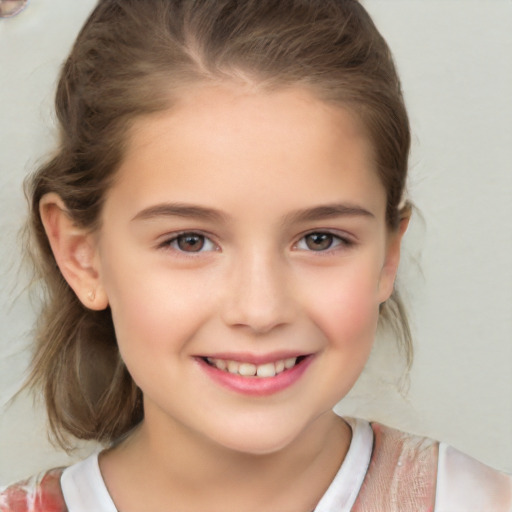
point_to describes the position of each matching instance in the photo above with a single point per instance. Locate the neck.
(170, 463)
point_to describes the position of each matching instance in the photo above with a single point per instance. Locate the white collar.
(84, 489)
(344, 489)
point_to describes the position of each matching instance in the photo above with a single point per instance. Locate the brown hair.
(133, 58)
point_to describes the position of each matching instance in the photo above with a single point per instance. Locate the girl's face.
(245, 234)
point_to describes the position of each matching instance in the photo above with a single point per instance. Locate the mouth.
(246, 369)
(255, 376)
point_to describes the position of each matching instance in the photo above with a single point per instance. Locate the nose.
(259, 295)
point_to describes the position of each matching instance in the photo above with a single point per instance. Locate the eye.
(321, 241)
(191, 243)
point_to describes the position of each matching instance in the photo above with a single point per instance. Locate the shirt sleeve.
(466, 485)
(41, 493)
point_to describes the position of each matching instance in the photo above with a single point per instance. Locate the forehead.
(242, 142)
(245, 110)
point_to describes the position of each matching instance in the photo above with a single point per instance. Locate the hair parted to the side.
(137, 57)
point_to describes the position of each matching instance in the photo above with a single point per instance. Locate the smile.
(255, 378)
(245, 369)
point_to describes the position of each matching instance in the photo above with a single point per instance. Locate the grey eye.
(10, 8)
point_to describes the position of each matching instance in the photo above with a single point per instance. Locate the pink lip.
(256, 386)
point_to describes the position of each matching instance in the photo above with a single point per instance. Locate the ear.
(75, 252)
(390, 267)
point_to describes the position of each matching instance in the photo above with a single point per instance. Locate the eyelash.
(172, 243)
(336, 242)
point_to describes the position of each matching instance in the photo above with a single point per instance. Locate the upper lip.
(257, 359)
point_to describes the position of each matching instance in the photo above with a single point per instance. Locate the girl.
(220, 233)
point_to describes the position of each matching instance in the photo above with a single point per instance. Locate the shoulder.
(409, 472)
(464, 480)
(41, 493)
(401, 474)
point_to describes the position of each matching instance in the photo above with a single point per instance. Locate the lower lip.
(257, 386)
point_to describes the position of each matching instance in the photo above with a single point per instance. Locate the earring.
(91, 295)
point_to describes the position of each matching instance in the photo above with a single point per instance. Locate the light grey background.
(455, 61)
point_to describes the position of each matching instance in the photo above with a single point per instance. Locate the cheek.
(154, 310)
(346, 309)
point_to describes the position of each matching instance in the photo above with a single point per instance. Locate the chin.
(257, 445)
(261, 439)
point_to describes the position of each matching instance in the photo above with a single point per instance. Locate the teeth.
(232, 367)
(251, 370)
(266, 370)
(220, 364)
(290, 362)
(247, 369)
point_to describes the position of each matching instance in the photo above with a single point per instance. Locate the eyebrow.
(180, 210)
(329, 211)
(213, 215)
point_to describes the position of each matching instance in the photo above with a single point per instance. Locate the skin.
(264, 162)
